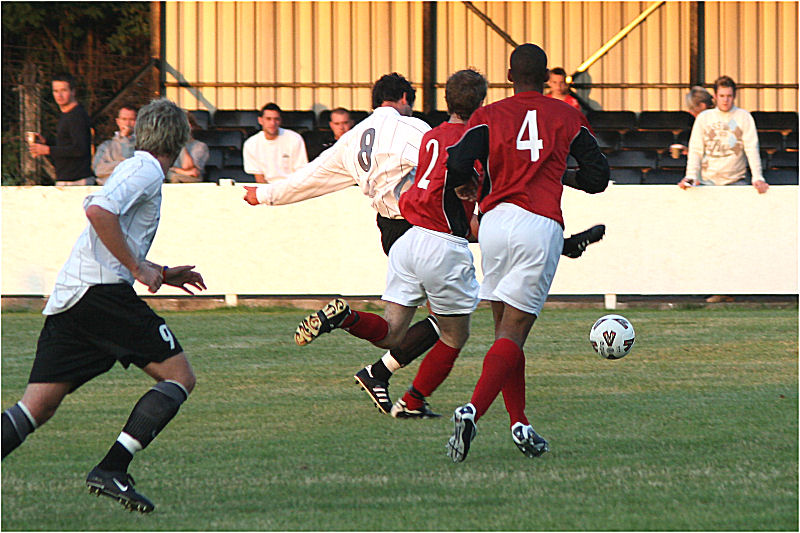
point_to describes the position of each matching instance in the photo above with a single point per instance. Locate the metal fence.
(103, 82)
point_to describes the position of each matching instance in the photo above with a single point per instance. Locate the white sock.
(390, 362)
(130, 444)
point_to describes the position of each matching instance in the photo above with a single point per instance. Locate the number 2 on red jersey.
(533, 143)
(424, 181)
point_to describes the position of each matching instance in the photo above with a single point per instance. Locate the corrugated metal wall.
(354, 43)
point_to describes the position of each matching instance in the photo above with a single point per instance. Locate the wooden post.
(30, 114)
(697, 43)
(428, 56)
(157, 21)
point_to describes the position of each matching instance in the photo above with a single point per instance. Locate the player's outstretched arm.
(106, 225)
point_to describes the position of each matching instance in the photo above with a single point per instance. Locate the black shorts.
(109, 323)
(391, 230)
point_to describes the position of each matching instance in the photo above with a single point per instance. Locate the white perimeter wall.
(659, 240)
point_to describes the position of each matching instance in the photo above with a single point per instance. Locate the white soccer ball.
(612, 336)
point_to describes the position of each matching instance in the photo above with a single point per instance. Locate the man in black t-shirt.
(71, 151)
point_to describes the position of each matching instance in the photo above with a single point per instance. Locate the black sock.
(379, 371)
(16, 426)
(418, 339)
(117, 459)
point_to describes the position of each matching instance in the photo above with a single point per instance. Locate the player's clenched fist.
(250, 195)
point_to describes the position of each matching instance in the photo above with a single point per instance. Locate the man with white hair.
(94, 317)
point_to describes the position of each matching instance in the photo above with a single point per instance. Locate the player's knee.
(392, 339)
(455, 339)
(188, 381)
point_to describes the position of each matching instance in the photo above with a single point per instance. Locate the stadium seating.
(608, 140)
(221, 139)
(214, 158)
(775, 120)
(620, 121)
(358, 116)
(434, 118)
(647, 140)
(202, 117)
(790, 141)
(246, 121)
(662, 176)
(637, 146)
(783, 159)
(771, 141)
(665, 120)
(626, 176)
(215, 174)
(298, 121)
(641, 159)
(781, 176)
(232, 159)
(666, 161)
(314, 140)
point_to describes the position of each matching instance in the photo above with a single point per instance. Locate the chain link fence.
(103, 83)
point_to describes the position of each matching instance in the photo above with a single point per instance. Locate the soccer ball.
(612, 337)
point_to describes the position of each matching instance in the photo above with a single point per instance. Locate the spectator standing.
(190, 165)
(522, 142)
(117, 149)
(274, 152)
(723, 142)
(559, 89)
(94, 318)
(71, 152)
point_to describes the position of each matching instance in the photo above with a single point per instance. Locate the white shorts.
(520, 252)
(425, 264)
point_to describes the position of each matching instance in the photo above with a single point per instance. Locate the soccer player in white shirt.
(274, 152)
(94, 317)
(380, 156)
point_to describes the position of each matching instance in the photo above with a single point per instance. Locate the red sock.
(501, 360)
(367, 326)
(514, 393)
(433, 370)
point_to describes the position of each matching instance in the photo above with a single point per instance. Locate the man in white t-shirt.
(723, 142)
(274, 152)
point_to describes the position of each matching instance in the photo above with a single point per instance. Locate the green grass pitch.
(697, 429)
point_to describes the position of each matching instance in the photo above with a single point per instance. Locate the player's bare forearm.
(106, 225)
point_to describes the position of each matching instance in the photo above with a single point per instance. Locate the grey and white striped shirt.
(133, 193)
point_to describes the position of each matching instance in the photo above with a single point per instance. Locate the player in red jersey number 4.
(523, 142)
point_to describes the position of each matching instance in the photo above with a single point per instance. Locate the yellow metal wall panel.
(205, 32)
(267, 42)
(171, 44)
(785, 61)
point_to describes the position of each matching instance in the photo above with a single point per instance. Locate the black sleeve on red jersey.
(593, 173)
(462, 155)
